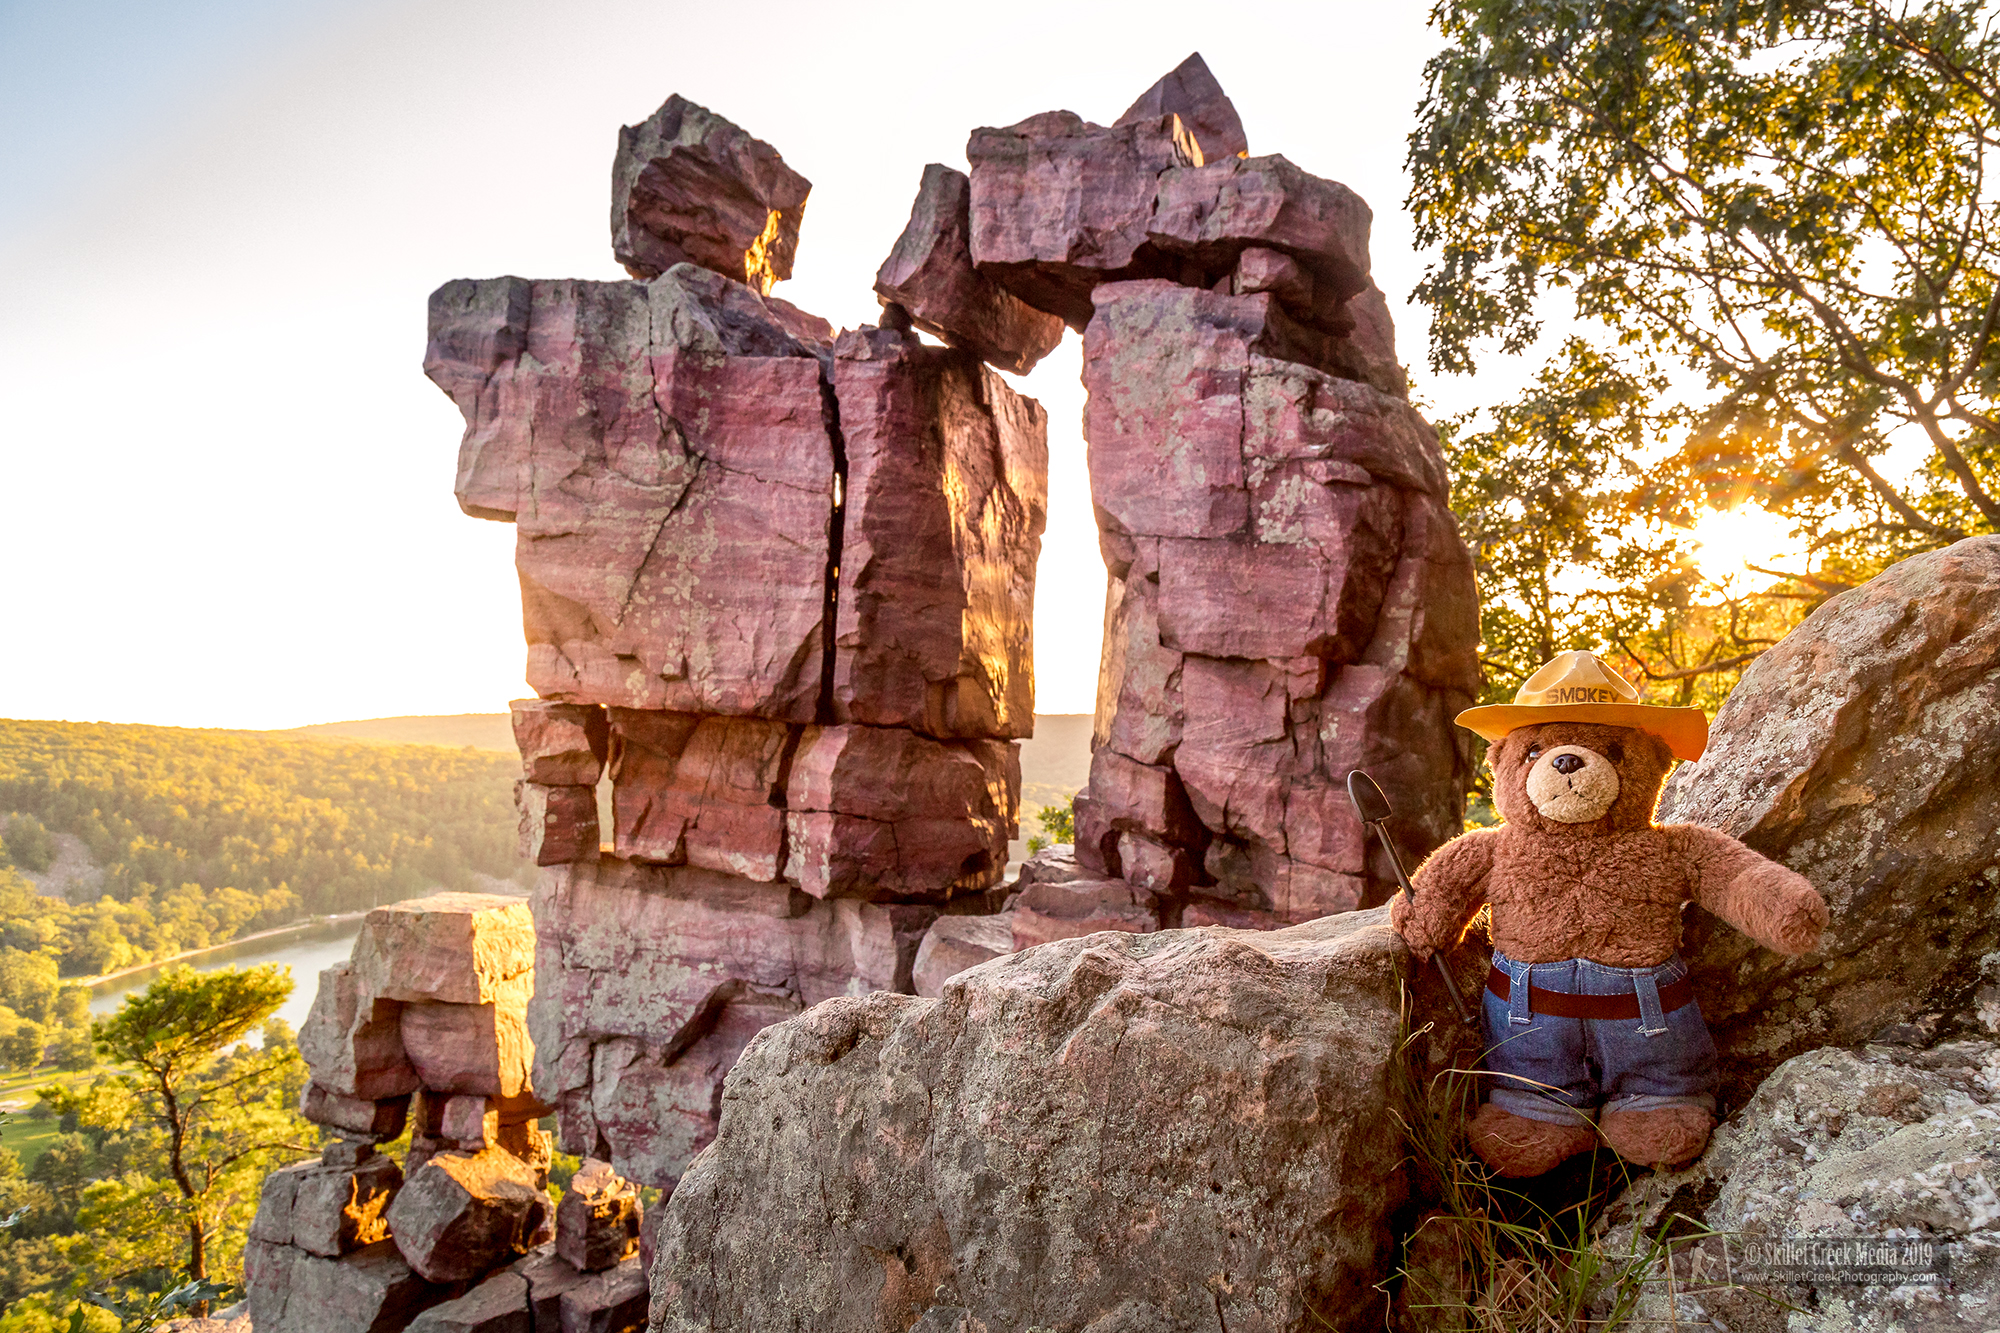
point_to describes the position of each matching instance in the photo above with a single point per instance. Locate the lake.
(306, 953)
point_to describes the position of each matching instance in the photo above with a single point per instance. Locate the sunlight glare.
(1729, 541)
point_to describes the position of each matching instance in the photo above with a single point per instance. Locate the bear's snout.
(1573, 784)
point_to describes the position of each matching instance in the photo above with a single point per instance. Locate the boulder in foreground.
(1121, 1132)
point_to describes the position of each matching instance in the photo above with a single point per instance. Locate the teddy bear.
(1588, 1015)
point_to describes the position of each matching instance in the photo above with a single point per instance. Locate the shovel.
(1373, 807)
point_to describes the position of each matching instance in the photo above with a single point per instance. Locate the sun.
(1729, 541)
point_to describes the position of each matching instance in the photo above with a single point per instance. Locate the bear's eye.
(1534, 753)
(1615, 752)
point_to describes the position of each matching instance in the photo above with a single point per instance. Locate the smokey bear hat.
(1580, 687)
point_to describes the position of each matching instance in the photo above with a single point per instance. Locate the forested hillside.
(202, 836)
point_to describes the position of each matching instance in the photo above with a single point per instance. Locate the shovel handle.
(1437, 959)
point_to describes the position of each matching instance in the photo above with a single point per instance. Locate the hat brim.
(1685, 730)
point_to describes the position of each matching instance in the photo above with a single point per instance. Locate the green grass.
(30, 1138)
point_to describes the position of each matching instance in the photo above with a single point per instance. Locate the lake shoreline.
(275, 933)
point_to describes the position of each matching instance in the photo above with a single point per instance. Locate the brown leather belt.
(1566, 1004)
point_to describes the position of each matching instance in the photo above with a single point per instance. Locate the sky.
(225, 484)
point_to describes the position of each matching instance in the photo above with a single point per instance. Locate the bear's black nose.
(1567, 763)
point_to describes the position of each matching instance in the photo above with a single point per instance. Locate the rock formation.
(1183, 1130)
(777, 586)
(1861, 751)
(425, 1026)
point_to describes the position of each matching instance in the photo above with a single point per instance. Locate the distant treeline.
(202, 836)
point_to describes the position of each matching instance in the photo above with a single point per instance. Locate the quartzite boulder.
(701, 791)
(1896, 1144)
(460, 1215)
(597, 1222)
(613, 1301)
(353, 1041)
(663, 451)
(653, 979)
(1075, 908)
(1289, 601)
(561, 745)
(497, 1305)
(1212, 215)
(938, 829)
(689, 187)
(369, 1291)
(454, 948)
(325, 1208)
(1191, 92)
(482, 1050)
(1060, 205)
(930, 274)
(946, 498)
(956, 944)
(558, 824)
(375, 1121)
(1861, 752)
(1190, 1129)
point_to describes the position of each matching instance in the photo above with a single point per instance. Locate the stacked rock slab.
(777, 586)
(424, 1027)
(1289, 598)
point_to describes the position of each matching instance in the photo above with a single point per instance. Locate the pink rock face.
(460, 1215)
(689, 187)
(1211, 214)
(1060, 205)
(956, 944)
(482, 1050)
(946, 499)
(663, 451)
(941, 828)
(458, 948)
(1290, 600)
(930, 274)
(1273, 271)
(562, 745)
(353, 1042)
(558, 824)
(1191, 92)
(375, 1121)
(704, 792)
(1071, 910)
(654, 978)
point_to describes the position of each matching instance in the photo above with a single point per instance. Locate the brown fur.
(1609, 890)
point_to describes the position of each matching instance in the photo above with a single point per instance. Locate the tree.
(216, 1116)
(1780, 206)
(28, 844)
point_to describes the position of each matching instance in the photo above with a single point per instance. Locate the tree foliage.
(214, 1118)
(201, 837)
(1772, 223)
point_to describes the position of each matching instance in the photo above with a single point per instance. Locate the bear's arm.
(1776, 907)
(1450, 886)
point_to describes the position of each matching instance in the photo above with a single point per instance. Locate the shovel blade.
(1369, 802)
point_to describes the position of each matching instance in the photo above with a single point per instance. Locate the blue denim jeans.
(1564, 1070)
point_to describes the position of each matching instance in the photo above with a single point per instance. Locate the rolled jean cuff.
(1534, 1106)
(1639, 1101)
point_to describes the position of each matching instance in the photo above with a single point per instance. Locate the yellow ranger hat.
(1579, 687)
